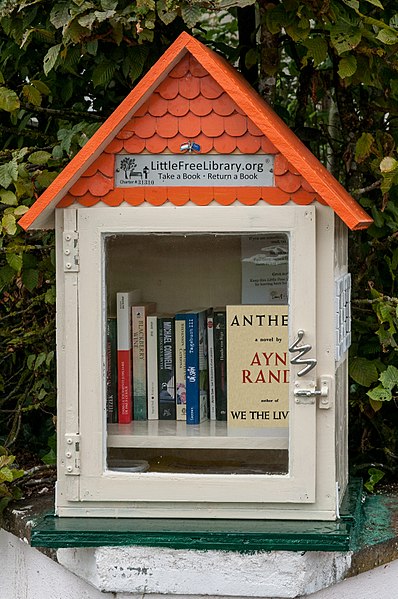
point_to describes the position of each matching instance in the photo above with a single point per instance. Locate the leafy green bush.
(328, 68)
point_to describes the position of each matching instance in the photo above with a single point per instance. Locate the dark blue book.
(197, 403)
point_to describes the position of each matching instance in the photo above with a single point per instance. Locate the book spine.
(152, 367)
(166, 369)
(210, 352)
(180, 358)
(124, 358)
(220, 364)
(139, 362)
(203, 367)
(111, 370)
(196, 371)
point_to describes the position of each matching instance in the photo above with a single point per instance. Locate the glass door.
(190, 385)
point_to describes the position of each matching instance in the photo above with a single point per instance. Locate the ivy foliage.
(330, 70)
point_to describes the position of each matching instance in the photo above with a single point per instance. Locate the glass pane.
(197, 372)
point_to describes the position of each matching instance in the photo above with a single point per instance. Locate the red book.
(124, 301)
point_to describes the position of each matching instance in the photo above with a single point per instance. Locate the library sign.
(134, 170)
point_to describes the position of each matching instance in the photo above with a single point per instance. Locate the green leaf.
(41, 358)
(376, 3)
(46, 178)
(7, 274)
(8, 173)
(20, 210)
(30, 278)
(50, 458)
(108, 4)
(376, 405)
(375, 476)
(387, 36)
(51, 58)
(8, 197)
(32, 95)
(9, 100)
(8, 223)
(344, 37)
(49, 298)
(103, 73)
(190, 14)
(389, 377)
(30, 361)
(39, 158)
(6, 475)
(379, 393)
(92, 47)
(165, 15)
(317, 49)
(388, 164)
(347, 66)
(15, 260)
(363, 371)
(363, 147)
(59, 15)
(41, 86)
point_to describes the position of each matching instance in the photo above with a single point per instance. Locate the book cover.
(111, 370)
(166, 368)
(265, 266)
(124, 301)
(196, 366)
(220, 362)
(258, 366)
(180, 358)
(138, 332)
(152, 366)
(211, 365)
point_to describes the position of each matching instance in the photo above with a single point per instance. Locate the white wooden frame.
(248, 491)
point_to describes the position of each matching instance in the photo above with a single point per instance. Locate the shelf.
(209, 434)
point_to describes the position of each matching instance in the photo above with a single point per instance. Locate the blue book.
(197, 404)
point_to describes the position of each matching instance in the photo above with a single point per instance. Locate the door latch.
(305, 392)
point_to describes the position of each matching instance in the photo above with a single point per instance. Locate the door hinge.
(72, 454)
(70, 251)
(305, 392)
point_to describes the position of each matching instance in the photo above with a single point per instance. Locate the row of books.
(165, 366)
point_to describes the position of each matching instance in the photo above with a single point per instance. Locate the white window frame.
(100, 485)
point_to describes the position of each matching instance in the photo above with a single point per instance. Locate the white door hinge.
(72, 454)
(70, 251)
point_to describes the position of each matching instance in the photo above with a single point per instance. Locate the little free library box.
(203, 307)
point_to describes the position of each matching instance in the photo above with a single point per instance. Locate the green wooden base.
(225, 535)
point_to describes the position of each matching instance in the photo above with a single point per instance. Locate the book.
(166, 368)
(220, 362)
(124, 301)
(265, 267)
(111, 370)
(258, 366)
(180, 360)
(211, 365)
(196, 365)
(152, 366)
(138, 331)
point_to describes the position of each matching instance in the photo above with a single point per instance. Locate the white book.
(124, 302)
(210, 357)
(152, 366)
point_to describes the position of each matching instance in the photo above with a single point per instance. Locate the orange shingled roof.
(192, 93)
